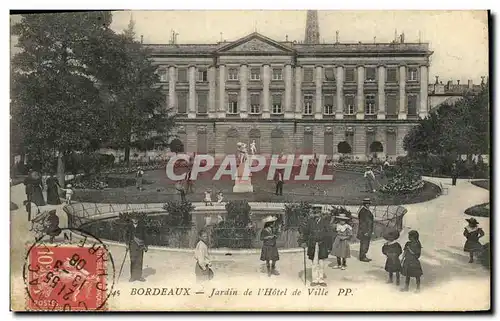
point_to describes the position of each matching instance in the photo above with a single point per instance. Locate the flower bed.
(481, 210)
(102, 182)
(403, 181)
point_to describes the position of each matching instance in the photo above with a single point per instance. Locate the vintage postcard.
(250, 161)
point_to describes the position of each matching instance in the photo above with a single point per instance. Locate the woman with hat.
(392, 250)
(473, 233)
(269, 251)
(340, 247)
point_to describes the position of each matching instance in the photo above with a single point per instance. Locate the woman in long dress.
(53, 191)
(36, 189)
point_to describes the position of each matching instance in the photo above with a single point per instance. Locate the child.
(340, 247)
(69, 193)
(138, 178)
(208, 198)
(369, 180)
(220, 197)
(473, 233)
(410, 267)
(392, 249)
(269, 251)
(203, 265)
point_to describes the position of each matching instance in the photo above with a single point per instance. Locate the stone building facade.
(356, 99)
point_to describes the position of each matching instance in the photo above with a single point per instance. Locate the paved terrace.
(449, 282)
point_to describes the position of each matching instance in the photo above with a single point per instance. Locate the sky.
(459, 39)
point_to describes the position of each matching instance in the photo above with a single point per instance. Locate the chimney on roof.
(142, 39)
(458, 82)
(448, 85)
(337, 36)
(286, 38)
(470, 84)
(437, 80)
(482, 80)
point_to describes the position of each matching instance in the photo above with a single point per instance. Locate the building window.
(182, 101)
(370, 75)
(350, 74)
(254, 103)
(277, 74)
(328, 104)
(308, 104)
(276, 108)
(370, 104)
(392, 104)
(412, 74)
(162, 73)
(202, 75)
(330, 74)
(392, 74)
(232, 74)
(308, 74)
(182, 75)
(232, 102)
(202, 102)
(412, 105)
(255, 74)
(349, 104)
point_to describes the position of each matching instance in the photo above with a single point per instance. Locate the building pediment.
(254, 43)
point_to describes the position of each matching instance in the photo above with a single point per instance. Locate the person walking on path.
(269, 252)
(278, 179)
(136, 243)
(392, 250)
(341, 248)
(454, 174)
(473, 233)
(53, 190)
(315, 236)
(179, 186)
(36, 189)
(202, 269)
(369, 180)
(138, 178)
(365, 229)
(410, 266)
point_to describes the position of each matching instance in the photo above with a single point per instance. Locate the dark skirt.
(203, 275)
(393, 264)
(411, 267)
(136, 260)
(37, 196)
(472, 246)
(269, 253)
(53, 195)
(323, 250)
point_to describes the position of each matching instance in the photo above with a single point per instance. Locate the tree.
(137, 107)
(55, 86)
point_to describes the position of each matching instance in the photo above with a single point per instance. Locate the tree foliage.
(455, 129)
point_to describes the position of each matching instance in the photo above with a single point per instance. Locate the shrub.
(481, 210)
(404, 179)
(296, 214)
(237, 231)
(178, 214)
(484, 257)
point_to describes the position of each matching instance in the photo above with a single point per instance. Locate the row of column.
(287, 99)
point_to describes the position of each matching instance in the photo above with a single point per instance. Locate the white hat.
(69, 185)
(342, 216)
(269, 218)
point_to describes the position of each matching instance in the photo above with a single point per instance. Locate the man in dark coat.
(365, 230)
(278, 179)
(454, 174)
(136, 243)
(316, 235)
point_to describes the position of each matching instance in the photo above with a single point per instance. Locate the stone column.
(243, 91)
(360, 98)
(288, 92)
(318, 105)
(222, 91)
(381, 92)
(298, 91)
(402, 92)
(211, 92)
(266, 81)
(171, 88)
(424, 79)
(340, 93)
(192, 92)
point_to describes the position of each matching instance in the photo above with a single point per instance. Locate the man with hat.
(315, 235)
(365, 229)
(136, 244)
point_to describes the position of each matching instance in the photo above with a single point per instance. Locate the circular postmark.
(69, 276)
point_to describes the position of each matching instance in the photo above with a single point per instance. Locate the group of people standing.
(34, 186)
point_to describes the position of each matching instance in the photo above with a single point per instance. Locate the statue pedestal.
(243, 184)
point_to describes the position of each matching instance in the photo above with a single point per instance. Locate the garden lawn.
(483, 184)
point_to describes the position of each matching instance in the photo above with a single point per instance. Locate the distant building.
(440, 93)
(310, 97)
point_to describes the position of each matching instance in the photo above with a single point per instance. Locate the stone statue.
(253, 148)
(243, 181)
(242, 152)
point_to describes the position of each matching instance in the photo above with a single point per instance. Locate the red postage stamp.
(66, 278)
